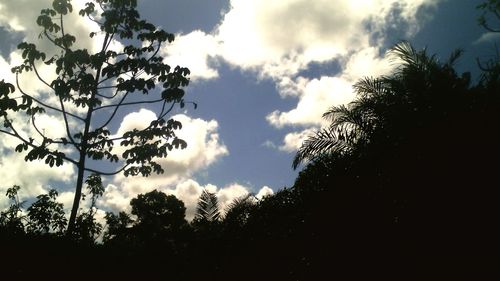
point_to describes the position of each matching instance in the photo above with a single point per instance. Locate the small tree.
(46, 215)
(157, 209)
(97, 84)
(11, 220)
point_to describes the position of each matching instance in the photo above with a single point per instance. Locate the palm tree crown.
(417, 92)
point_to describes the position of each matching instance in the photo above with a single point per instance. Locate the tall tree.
(91, 88)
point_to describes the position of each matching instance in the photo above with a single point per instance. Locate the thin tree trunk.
(78, 194)
(83, 148)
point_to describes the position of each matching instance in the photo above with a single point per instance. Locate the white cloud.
(20, 16)
(263, 192)
(316, 96)
(204, 148)
(193, 50)
(282, 37)
(188, 191)
(292, 141)
(279, 39)
(117, 198)
(66, 198)
(227, 194)
(487, 37)
(35, 177)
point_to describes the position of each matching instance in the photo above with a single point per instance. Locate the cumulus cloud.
(20, 16)
(279, 39)
(188, 191)
(263, 192)
(35, 177)
(204, 148)
(282, 37)
(316, 96)
(292, 141)
(195, 50)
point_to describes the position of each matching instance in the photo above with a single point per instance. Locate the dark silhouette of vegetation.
(99, 83)
(208, 207)
(490, 11)
(400, 185)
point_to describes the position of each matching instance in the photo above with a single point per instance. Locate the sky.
(262, 74)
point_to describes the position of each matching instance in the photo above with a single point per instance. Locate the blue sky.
(263, 71)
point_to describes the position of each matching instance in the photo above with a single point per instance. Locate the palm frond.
(405, 52)
(208, 207)
(238, 210)
(368, 87)
(326, 141)
(454, 56)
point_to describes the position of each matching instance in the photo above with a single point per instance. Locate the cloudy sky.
(263, 72)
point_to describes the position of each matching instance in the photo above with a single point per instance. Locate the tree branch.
(107, 173)
(40, 77)
(44, 104)
(164, 113)
(36, 127)
(66, 124)
(117, 106)
(128, 103)
(16, 135)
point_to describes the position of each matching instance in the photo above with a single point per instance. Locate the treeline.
(403, 183)
(154, 239)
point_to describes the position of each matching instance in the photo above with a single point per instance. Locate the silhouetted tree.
(158, 214)
(207, 208)
(11, 220)
(238, 212)
(405, 173)
(387, 106)
(118, 227)
(46, 215)
(98, 83)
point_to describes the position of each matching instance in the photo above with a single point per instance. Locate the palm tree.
(238, 212)
(387, 105)
(208, 207)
